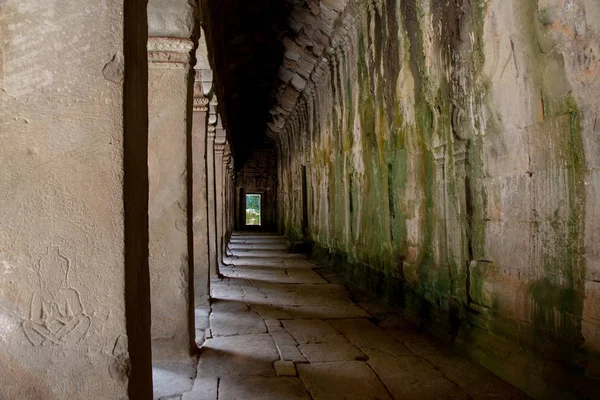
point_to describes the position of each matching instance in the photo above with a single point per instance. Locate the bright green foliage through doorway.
(253, 209)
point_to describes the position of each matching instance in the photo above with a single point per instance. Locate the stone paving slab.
(291, 311)
(304, 276)
(236, 323)
(370, 338)
(291, 263)
(227, 292)
(329, 312)
(331, 352)
(277, 308)
(271, 312)
(266, 254)
(228, 305)
(353, 380)
(258, 246)
(291, 353)
(479, 383)
(307, 295)
(272, 323)
(242, 355)
(204, 389)
(238, 282)
(264, 240)
(254, 261)
(260, 273)
(313, 331)
(259, 388)
(412, 377)
(172, 378)
(282, 337)
(285, 368)
(270, 274)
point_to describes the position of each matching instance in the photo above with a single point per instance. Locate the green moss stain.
(559, 239)
(379, 217)
(559, 296)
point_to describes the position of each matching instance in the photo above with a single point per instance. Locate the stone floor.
(282, 327)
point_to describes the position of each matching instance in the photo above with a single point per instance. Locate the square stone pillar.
(74, 291)
(212, 200)
(219, 191)
(232, 203)
(203, 179)
(200, 200)
(168, 136)
(227, 160)
(231, 196)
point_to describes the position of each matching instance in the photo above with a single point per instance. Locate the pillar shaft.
(212, 206)
(231, 200)
(74, 292)
(200, 202)
(226, 195)
(219, 149)
(168, 133)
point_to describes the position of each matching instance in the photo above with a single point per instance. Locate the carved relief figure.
(57, 315)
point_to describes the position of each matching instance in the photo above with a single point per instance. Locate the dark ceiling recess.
(245, 43)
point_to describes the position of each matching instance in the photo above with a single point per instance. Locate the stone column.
(170, 274)
(231, 197)
(74, 292)
(202, 155)
(225, 210)
(200, 197)
(440, 234)
(212, 205)
(219, 182)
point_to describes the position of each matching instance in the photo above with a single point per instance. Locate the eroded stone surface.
(335, 356)
(342, 380)
(242, 355)
(172, 378)
(205, 388)
(168, 196)
(331, 352)
(68, 109)
(312, 331)
(369, 338)
(451, 149)
(236, 323)
(262, 389)
(409, 377)
(290, 352)
(285, 368)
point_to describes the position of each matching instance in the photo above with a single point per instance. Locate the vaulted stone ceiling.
(264, 53)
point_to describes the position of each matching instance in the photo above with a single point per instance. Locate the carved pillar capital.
(219, 148)
(220, 133)
(201, 104)
(203, 82)
(211, 132)
(460, 149)
(168, 52)
(439, 155)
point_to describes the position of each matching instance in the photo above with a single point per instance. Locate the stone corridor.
(430, 170)
(283, 327)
